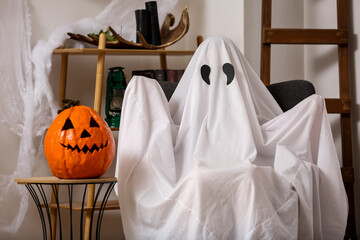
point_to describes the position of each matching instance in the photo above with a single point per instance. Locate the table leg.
(55, 189)
(82, 214)
(93, 206)
(46, 206)
(53, 216)
(38, 205)
(102, 207)
(70, 194)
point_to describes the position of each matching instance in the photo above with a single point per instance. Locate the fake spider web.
(27, 104)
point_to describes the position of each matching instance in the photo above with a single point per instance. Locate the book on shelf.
(145, 73)
(170, 75)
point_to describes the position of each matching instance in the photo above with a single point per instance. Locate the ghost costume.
(220, 160)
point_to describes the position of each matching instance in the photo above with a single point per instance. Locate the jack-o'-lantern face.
(79, 144)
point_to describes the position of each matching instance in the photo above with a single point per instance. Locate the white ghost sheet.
(221, 160)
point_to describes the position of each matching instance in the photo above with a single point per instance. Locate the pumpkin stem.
(68, 103)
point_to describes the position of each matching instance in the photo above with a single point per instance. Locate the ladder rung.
(338, 105)
(305, 36)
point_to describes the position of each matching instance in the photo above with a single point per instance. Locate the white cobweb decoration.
(27, 105)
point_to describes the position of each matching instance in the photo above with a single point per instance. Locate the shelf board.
(94, 51)
(76, 206)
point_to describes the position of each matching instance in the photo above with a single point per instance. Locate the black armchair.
(287, 94)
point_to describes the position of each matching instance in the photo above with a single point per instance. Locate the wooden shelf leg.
(89, 203)
(163, 64)
(97, 107)
(99, 73)
(62, 92)
(199, 40)
(63, 74)
(53, 215)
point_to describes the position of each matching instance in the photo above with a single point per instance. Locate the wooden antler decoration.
(168, 37)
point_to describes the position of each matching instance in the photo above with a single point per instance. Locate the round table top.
(55, 180)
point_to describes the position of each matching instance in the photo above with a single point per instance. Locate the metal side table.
(35, 186)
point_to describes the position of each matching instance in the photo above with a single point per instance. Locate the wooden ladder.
(341, 105)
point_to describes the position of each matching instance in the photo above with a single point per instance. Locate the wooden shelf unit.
(65, 52)
(101, 52)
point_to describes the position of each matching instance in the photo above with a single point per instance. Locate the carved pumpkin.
(79, 144)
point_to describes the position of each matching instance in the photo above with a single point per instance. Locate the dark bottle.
(141, 16)
(154, 29)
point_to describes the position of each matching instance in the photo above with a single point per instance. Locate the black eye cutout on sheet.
(228, 69)
(205, 72)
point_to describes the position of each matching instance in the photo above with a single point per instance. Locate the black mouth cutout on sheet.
(227, 68)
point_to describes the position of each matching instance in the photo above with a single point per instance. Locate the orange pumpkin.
(79, 144)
